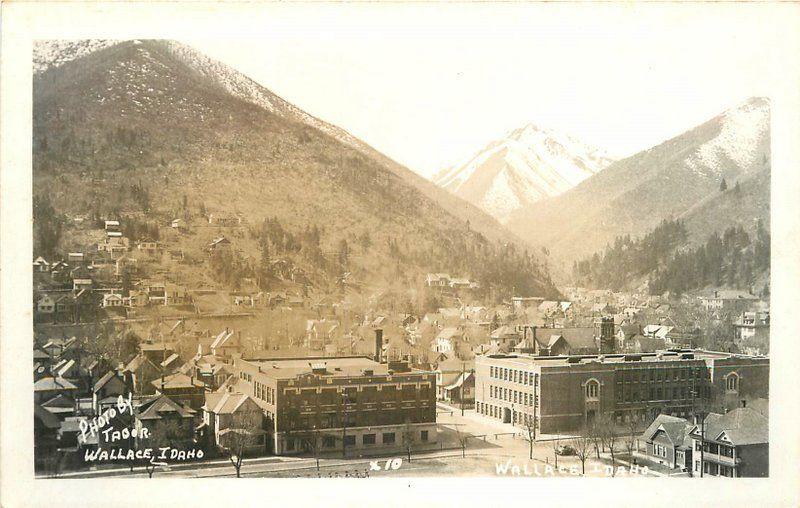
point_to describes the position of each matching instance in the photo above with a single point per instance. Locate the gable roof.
(221, 339)
(47, 418)
(108, 376)
(673, 427)
(178, 380)
(578, 338)
(741, 426)
(50, 383)
(160, 406)
(224, 402)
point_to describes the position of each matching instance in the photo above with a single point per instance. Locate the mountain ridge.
(632, 195)
(528, 164)
(134, 119)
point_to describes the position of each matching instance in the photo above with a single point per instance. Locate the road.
(494, 449)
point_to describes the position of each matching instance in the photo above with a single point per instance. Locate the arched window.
(592, 389)
(732, 382)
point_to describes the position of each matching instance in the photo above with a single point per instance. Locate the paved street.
(493, 449)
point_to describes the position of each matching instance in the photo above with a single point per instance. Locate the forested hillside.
(736, 259)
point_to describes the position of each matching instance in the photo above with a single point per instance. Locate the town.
(301, 380)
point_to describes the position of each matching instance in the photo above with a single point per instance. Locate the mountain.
(678, 179)
(527, 165)
(155, 129)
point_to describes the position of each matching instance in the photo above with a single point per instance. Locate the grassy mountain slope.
(142, 119)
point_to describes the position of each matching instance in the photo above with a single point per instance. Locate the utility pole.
(344, 425)
(463, 382)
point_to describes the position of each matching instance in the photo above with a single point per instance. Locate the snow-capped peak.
(742, 131)
(528, 164)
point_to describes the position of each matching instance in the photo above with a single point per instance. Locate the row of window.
(500, 412)
(264, 392)
(513, 375)
(657, 374)
(659, 450)
(654, 393)
(508, 395)
(387, 438)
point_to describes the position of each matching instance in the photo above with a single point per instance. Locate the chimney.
(378, 344)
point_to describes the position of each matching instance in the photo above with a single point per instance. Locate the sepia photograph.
(499, 241)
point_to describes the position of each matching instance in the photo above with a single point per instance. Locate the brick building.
(563, 393)
(320, 403)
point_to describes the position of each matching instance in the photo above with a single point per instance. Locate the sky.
(431, 85)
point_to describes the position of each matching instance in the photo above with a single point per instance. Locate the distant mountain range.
(115, 121)
(527, 165)
(678, 179)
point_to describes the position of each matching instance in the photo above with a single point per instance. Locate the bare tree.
(607, 429)
(582, 444)
(556, 446)
(243, 432)
(631, 436)
(530, 427)
(462, 438)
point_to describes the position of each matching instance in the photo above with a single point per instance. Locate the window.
(290, 445)
(592, 389)
(388, 438)
(423, 435)
(328, 442)
(349, 440)
(732, 382)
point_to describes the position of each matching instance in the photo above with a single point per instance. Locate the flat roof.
(343, 366)
(621, 358)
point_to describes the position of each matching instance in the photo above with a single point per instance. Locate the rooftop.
(346, 366)
(658, 356)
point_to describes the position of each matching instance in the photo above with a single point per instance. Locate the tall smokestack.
(378, 344)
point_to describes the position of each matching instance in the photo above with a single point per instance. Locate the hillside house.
(439, 280)
(46, 304)
(226, 344)
(224, 219)
(112, 226)
(219, 244)
(149, 248)
(40, 265)
(320, 332)
(729, 300)
(446, 342)
(112, 300)
(520, 303)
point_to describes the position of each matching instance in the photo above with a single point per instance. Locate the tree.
(556, 446)
(530, 427)
(723, 186)
(631, 436)
(462, 438)
(607, 429)
(166, 433)
(582, 444)
(245, 431)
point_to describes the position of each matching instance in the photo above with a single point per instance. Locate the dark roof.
(47, 418)
(156, 408)
(105, 379)
(673, 427)
(577, 338)
(742, 426)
